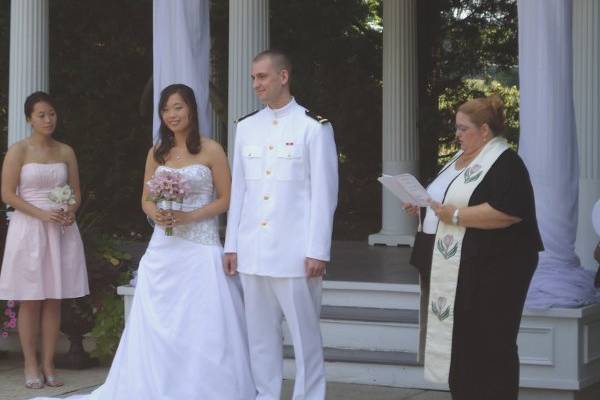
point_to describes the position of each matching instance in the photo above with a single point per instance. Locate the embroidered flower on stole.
(440, 309)
(473, 173)
(444, 246)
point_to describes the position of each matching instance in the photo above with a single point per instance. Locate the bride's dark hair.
(166, 141)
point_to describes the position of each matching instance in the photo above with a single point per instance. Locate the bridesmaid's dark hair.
(166, 141)
(33, 99)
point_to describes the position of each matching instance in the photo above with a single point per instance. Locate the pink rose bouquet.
(168, 189)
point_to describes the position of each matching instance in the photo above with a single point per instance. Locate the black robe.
(496, 268)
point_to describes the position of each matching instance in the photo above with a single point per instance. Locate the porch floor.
(84, 381)
(355, 261)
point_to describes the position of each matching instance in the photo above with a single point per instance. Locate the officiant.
(476, 251)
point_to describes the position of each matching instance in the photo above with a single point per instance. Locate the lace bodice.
(200, 179)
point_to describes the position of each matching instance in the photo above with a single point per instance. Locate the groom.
(284, 194)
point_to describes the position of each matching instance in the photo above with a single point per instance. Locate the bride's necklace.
(176, 155)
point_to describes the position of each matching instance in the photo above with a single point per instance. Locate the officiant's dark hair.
(166, 141)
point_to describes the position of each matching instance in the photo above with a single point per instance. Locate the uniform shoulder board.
(246, 116)
(316, 117)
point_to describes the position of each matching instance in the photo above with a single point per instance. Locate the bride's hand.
(179, 218)
(161, 217)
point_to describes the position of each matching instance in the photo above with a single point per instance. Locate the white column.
(586, 91)
(28, 68)
(400, 146)
(248, 36)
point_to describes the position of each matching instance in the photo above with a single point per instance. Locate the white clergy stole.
(446, 262)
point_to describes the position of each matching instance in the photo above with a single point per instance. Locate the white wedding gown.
(185, 338)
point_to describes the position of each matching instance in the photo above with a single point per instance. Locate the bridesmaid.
(43, 258)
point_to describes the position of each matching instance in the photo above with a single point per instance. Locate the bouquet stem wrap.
(169, 205)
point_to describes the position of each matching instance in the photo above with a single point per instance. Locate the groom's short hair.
(279, 58)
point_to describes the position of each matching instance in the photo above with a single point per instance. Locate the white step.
(370, 330)
(387, 368)
(367, 329)
(370, 295)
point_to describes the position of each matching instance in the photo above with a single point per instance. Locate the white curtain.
(548, 145)
(182, 53)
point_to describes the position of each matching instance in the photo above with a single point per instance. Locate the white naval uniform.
(284, 194)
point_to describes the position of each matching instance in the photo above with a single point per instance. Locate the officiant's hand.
(411, 209)
(230, 263)
(314, 267)
(443, 212)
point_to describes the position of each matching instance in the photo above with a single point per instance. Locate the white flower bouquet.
(62, 196)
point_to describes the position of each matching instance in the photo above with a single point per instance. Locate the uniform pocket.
(252, 156)
(290, 162)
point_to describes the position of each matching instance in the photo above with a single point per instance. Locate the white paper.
(407, 188)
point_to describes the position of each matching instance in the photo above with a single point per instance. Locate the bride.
(185, 337)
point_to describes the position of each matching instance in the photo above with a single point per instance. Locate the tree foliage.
(4, 65)
(460, 40)
(336, 50)
(337, 53)
(101, 59)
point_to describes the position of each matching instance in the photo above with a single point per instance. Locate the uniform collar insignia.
(316, 117)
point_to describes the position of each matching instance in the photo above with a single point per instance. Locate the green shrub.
(108, 327)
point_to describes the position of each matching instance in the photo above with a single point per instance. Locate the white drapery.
(182, 53)
(548, 145)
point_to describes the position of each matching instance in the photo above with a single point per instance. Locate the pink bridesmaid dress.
(42, 260)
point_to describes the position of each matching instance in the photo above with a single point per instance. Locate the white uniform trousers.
(267, 300)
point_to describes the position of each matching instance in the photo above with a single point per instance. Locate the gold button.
(271, 147)
(275, 122)
(268, 172)
(266, 197)
(264, 223)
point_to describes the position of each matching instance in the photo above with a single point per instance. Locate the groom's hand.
(314, 267)
(230, 263)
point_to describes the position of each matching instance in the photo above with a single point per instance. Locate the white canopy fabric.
(182, 53)
(548, 145)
